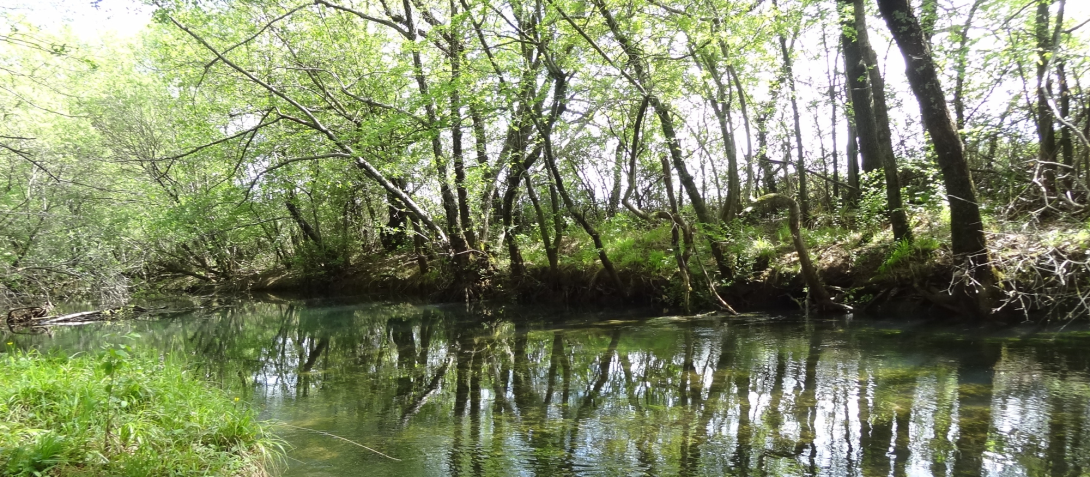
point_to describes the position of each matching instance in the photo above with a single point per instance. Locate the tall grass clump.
(123, 412)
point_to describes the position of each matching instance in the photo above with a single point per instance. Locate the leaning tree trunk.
(551, 250)
(643, 82)
(681, 237)
(820, 295)
(966, 227)
(578, 215)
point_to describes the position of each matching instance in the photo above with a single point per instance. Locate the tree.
(966, 224)
(871, 114)
(800, 165)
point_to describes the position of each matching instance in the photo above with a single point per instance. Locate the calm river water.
(499, 391)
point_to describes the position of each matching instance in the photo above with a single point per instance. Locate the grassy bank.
(122, 412)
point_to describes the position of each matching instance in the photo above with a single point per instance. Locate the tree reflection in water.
(509, 392)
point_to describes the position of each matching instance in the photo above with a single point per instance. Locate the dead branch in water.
(350, 441)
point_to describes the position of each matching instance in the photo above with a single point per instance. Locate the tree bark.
(457, 155)
(872, 116)
(615, 191)
(1046, 132)
(551, 251)
(309, 232)
(851, 195)
(789, 75)
(769, 179)
(960, 65)
(966, 225)
(720, 102)
(821, 296)
(395, 233)
(1066, 146)
(545, 128)
(681, 237)
(745, 122)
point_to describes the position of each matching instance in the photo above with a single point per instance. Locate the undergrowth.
(123, 412)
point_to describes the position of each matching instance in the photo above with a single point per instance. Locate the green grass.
(123, 412)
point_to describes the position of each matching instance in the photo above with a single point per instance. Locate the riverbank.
(123, 412)
(1046, 272)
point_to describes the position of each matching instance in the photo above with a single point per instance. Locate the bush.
(908, 256)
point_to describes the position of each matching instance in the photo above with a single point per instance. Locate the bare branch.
(365, 16)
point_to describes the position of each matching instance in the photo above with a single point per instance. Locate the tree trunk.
(1046, 132)
(465, 275)
(966, 226)
(395, 233)
(871, 114)
(1067, 148)
(960, 64)
(745, 123)
(687, 182)
(456, 146)
(681, 237)
(309, 232)
(720, 102)
(817, 289)
(517, 168)
(543, 226)
(831, 92)
(614, 204)
(769, 178)
(666, 122)
(545, 128)
(851, 195)
(800, 166)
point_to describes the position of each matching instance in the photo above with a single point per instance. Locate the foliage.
(122, 412)
(908, 256)
(236, 138)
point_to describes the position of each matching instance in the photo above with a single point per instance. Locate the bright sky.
(123, 18)
(126, 17)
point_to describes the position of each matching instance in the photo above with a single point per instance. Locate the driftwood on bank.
(17, 319)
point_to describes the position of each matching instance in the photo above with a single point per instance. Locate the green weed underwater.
(123, 412)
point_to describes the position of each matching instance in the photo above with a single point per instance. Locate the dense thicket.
(484, 142)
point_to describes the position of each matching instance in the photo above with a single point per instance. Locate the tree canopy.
(489, 143)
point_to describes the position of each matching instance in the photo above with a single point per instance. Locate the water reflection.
(501, 392)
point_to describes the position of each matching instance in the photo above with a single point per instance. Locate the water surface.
(496, 391)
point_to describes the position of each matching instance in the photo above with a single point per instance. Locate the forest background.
(691, 154)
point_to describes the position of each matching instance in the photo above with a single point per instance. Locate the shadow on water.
(496, 392)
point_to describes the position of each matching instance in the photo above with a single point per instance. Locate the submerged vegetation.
(558, 149)
(123, 412)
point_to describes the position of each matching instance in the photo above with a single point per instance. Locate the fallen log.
(78, 318)
(50, 320)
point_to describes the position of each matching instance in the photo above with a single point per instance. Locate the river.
(500, 391)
